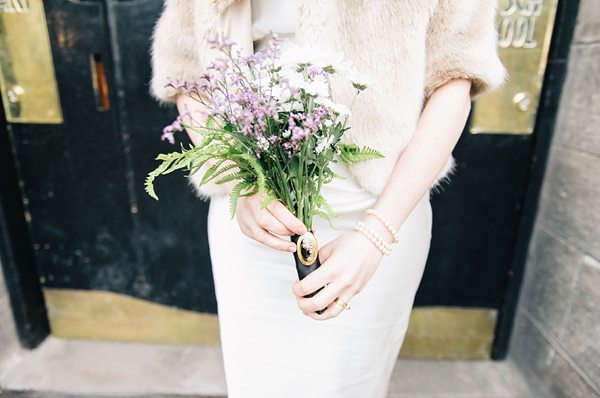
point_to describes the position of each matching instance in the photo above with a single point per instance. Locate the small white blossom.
(324, 144)
(281, 94)
(341, 109)
(293, 55)
(360, 81)
(290, 106)
(316, 88)
(262, 143)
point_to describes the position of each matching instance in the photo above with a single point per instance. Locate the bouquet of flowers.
(272, 127)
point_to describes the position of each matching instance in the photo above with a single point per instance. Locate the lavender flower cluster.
(279, 96)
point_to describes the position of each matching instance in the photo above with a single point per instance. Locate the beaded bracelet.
(384, 247)
(371, 212)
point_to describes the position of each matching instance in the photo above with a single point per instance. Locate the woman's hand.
(347, 264)
(261, 225)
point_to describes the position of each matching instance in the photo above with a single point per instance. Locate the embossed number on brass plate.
(525, 29)
(29, 91)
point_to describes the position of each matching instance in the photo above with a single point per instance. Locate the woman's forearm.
(197, 111)
(437, 132)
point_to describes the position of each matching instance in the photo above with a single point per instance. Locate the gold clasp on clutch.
(307, 248)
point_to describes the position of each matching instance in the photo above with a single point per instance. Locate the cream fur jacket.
(410, 46)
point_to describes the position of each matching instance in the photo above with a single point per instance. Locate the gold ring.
(340, 302)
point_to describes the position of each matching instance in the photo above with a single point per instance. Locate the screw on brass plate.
(522, 100)
(15, 94)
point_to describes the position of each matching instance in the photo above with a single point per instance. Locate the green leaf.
(260, 175)
(351, 153)
(235, 194)
(238, 175)
(167, 161)
(251, 192)
(335, 175)
(325, 217)
(211, 170)
(221, 171)
(270, 199)
(322, 202)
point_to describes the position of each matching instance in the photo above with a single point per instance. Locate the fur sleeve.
(174, 51)
(462, 42)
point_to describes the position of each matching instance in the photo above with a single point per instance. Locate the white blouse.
(280, 16)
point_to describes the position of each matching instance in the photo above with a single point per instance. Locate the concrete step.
(62, 368)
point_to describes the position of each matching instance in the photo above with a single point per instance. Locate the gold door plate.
(525, 29)
(29, 91)
(433, 332)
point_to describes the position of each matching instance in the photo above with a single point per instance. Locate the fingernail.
(292, 249)
(302, 230)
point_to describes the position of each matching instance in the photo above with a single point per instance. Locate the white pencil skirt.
(270, 349)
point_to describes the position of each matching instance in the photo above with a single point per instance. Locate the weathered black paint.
(16, 253)
(474, 222)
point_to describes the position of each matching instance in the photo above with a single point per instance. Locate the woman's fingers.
(313, 281)
(281, 213)
(266, 221)
(320, 300)
(264, 237)
(334, 308)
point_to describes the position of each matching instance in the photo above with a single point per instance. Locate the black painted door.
(93, 228)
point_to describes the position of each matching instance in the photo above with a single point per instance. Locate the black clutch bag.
(307, 258)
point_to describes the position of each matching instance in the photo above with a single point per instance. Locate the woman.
(438, 53)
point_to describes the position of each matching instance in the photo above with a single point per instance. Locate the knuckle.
(348, 281)
(302, 305)
(246, 230)
(260, 238)
(319, 303)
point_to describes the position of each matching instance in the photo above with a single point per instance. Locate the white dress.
(270, 349)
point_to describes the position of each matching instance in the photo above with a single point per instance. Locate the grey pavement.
(62, 368)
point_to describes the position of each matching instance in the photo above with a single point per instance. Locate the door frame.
(545, 123)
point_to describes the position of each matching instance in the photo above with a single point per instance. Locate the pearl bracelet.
(371, 212)
(384, 247)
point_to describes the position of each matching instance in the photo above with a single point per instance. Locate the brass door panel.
(29, 91)
(434, 332)
(525, 29)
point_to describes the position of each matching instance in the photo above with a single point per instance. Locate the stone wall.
(556, 339)
(9, 343)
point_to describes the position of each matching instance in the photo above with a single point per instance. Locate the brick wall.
(556, 339)
(9, 344)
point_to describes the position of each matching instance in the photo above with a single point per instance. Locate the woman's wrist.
(378, 228)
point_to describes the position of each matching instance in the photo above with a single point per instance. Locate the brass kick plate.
(525, 29)
(29, 91)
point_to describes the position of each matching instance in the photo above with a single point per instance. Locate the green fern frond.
(238, 175)
(322, 202)
(221, 171)
(335, 175)
(235, 194)
(211, 170)
(167, 160)
(251, 192)
(325, 217)
(259, 172)
(351, 153)
(270, 199)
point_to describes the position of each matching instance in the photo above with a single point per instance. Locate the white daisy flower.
(360, 81)
(323, 144)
